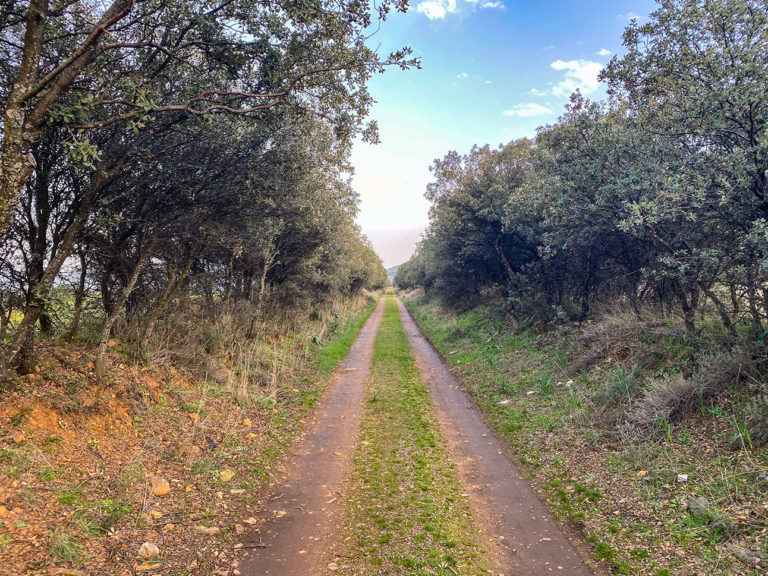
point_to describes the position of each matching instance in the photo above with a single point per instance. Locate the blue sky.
(492, 71)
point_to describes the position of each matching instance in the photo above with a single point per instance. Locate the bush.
(671, 399)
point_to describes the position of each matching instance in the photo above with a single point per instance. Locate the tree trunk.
(230, 277)
(511, 280)
(735, 300)
(15, 168)
(172, 287)
(586, 291)
(634, 300)
(689, 300)
(722, 311)
(21, 128)
(4, 319)
(32, 312)
(26, 356)
(79, 298)
(752, 300)
(109, 322)
(269, 261)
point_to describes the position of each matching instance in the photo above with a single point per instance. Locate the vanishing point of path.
(311, 512)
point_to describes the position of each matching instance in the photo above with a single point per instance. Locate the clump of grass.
(20, 416)
(52, 443)
(672, 398)
(603, 551)
(65, 547)
(71, 498)
(46, 474)
(102, 516)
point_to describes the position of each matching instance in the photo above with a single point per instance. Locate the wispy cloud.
(462, 76)
(537, 92)
(528, 110)
(630, 16)
(495, 5)
(604, 52)
(579, 75)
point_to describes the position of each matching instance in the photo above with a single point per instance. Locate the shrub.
(672, 398)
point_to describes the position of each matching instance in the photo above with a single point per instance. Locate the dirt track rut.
(531, 541)
(306, 511)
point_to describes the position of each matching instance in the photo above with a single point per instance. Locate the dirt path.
(306, 512)
(532, 543)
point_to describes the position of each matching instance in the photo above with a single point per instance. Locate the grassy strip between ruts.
(406, 512)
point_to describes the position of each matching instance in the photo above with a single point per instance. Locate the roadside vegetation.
(180, 268)
(682, 495)
(161, 156)
(85, 464)
(406, 513)
(601, 288)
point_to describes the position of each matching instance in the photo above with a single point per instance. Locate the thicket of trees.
(154, 150)
(658, 195)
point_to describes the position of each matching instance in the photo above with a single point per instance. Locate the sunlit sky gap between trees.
(492, 71)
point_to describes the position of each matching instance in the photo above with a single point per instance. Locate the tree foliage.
(657, 195)
(159, 150)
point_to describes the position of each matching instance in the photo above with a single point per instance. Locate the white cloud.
(604, 52)
(528, 110)
(537, 92)
(579, 74)
(462, 76)
(437, 9)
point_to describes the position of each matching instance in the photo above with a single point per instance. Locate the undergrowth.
(82, 452)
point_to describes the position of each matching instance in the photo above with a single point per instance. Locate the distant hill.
(392, 271)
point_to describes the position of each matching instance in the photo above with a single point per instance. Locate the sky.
(492, 71)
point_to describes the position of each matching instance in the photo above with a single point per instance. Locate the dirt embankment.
(148, 471)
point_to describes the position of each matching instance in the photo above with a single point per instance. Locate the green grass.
(65, 547)
(71, 498)
(332, 353)
(406, 512)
